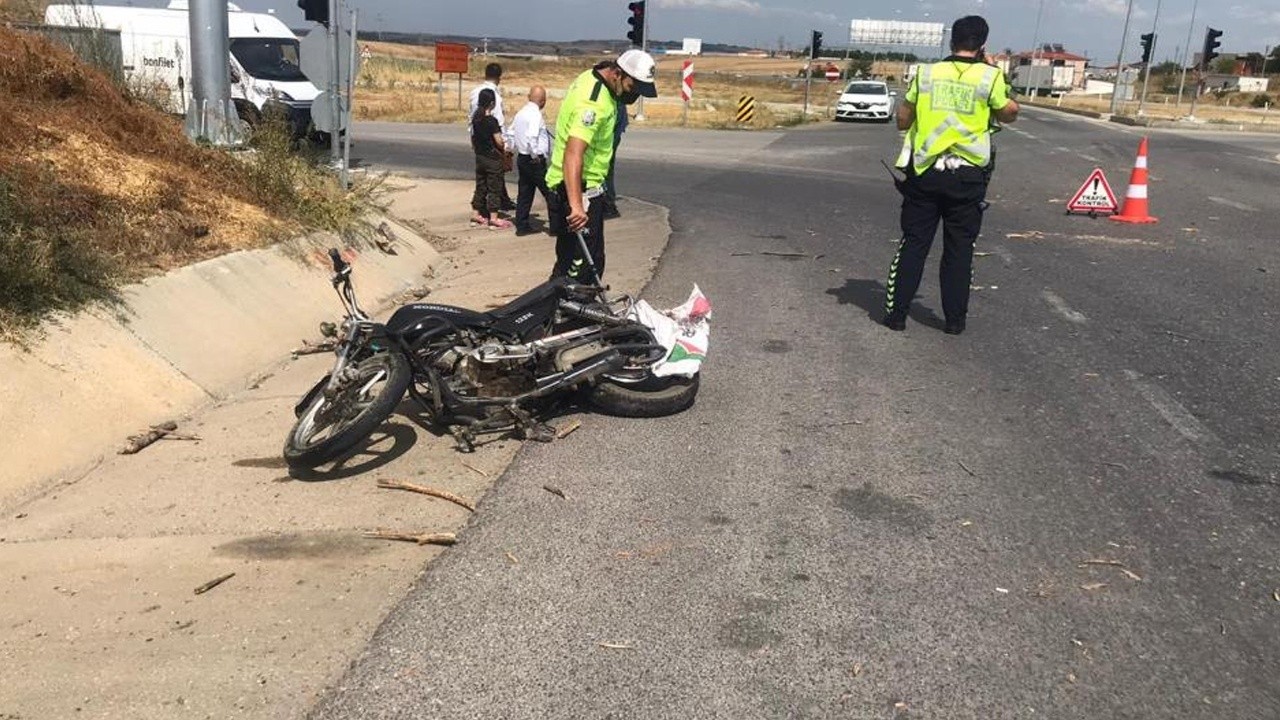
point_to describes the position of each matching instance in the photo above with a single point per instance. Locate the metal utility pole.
(335, 94)
(1124, 37)
(211, 116)
(1035, 45)
(350, 90)
(1186, 53)
(644, 45)
(1146, 72)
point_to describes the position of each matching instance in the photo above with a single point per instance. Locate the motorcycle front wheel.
(650, 397)
(334, 421)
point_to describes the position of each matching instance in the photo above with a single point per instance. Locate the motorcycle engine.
(493, 378)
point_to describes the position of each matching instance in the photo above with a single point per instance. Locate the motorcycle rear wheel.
(651, 397)
(332, 425)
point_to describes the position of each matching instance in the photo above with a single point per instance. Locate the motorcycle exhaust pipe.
(610, 363)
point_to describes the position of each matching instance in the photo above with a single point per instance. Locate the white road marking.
(1233, 204)
(1171, 410)
(1063, 308)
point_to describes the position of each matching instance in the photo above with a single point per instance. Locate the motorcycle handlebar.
(338, 263)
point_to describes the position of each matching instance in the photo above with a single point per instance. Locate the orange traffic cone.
(1135, 200)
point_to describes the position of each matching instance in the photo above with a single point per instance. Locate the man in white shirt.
(492, 76)
(532, 143)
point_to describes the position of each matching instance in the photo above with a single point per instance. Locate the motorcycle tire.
(652, 397)
(302, 452)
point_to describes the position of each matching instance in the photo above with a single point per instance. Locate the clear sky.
(1089, 27)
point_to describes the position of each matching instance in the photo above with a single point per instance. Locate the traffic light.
(1148, 44)
(1211, 45)
(815, 45)
(315, 10)
(636, 21)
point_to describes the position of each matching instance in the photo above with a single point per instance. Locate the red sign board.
(452, 58)
(833, 73)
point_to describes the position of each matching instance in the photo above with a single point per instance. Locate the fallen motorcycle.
(478, 372)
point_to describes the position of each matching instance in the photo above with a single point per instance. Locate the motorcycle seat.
(538, 296)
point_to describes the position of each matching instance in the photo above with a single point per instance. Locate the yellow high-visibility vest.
(953, 101)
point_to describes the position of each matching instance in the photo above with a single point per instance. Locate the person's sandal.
(478, 221)
(499, 224)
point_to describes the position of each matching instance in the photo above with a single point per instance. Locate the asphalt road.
(1070, 511)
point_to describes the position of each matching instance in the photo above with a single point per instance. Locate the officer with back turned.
(947, 157)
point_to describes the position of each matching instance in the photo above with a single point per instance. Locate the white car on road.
(870, 99)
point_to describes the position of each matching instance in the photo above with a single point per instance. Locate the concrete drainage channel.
(101, 555)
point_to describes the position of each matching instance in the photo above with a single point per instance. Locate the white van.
(869, 99)
(155, 44)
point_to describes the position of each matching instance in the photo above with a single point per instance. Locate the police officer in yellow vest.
(583, 149)
(947, 157)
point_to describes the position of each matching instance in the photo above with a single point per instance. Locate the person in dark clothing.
(487, 142)
(947, 158)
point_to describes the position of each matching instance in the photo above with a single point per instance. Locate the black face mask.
(629, 97)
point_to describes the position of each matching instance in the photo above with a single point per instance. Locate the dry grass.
(97, 187)
(1233, 108)
(398, 84)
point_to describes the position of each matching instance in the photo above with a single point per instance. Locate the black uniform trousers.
(531, 175)
(569, 262)
(954, 198)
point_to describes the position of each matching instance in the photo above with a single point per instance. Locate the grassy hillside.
(98, 188)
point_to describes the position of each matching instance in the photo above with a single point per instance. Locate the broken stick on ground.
(214, 583)
(420, 538)
(442, 494)
(157, 432)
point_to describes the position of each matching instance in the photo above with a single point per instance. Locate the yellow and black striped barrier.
(746, 109)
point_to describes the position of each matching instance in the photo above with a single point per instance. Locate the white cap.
(641, 67)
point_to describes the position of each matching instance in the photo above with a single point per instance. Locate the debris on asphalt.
(966, 523)
(982, 254)
(442, 494)
(163, 431)
(1275, 595)
(1122, 466)
(1003, 591)
(966, 469)
(1090, 587)
(568, 428)
(616, 646)
(856, 670)
(310, 348)
(214, 583)
(420, 538)
(555, 491)
(775, 253)
(512, 558)
(474, 469)
(1112, 563)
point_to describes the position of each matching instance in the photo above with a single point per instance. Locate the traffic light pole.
(1124, 37)
(1146, 72)
(644, 45)
(1186, 59)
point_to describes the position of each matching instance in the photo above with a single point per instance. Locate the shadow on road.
(869, 295)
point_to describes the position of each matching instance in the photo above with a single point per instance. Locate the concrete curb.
(179, 341)
(1069, 111)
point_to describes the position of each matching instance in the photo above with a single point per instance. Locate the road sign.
(833, 73)
(686, 81)
(746, 109)
(452, 57)
(322, 111)
(1094, 196)
(316, 57)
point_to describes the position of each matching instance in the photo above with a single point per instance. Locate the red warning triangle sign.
(1094, 196)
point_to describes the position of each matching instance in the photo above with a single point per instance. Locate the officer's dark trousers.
(532, 176)
(569, 262)
(954, 198)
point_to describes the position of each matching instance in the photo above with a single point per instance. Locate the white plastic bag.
(685, 331)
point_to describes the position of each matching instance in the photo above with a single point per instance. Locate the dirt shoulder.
(98, 575)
